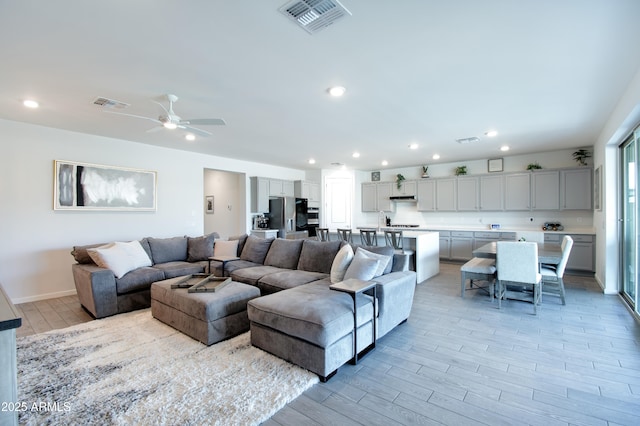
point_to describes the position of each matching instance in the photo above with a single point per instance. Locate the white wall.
(36, 240)
(228, 190)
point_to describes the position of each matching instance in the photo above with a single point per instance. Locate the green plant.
(581, 155)
(534, 166)
(399, 179)
(461, 170)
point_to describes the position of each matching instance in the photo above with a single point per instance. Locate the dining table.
(548, 253)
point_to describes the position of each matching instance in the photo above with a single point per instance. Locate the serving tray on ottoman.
(209, 317)
(201, 283)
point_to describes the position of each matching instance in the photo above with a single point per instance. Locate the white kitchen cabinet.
(576, 189)
(445, 245)
(407, 187)
(426, 195)
(446, 194)
(545, 190)
(467, 193)
(517, 191)
(281, 188)
(259, 194)
(288, 188)
(492, 193)
(375, 196)
(308, 190)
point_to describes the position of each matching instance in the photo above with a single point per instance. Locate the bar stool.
(369, 237)
(395, 239)
(344, 234)
(322, 234)
(478, 268)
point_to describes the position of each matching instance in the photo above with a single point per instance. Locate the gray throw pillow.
(200, 248)
(284, 253)
(362, 267)
(81, 255)
(385, 250)
(166, 250)
(255, 249)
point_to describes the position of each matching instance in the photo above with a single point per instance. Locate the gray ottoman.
(207, 317)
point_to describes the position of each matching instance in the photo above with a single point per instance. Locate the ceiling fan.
(170, 120)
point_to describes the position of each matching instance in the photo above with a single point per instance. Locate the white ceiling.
(546, 74)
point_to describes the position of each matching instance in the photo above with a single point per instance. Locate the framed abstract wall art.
(83, 186)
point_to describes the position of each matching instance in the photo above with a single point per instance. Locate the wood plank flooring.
(464, 362)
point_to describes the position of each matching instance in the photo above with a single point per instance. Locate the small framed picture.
(208, 203)
(495, 165)
(375, 176)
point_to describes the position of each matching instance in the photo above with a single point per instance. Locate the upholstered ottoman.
(207, 317)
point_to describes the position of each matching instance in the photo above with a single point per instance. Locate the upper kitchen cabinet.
(407, 187)
(426, 195)
(492, 193)
(281, 188)
(517, 191)
(446, 194)
(308, 190)
(545, 190)
(468, 193)
(259, 194)
(375, 196)
(576, 189)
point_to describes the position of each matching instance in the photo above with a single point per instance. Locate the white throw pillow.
(225, 248)
(340, 263)
(384, 260)
(119, 257)
(362, 267)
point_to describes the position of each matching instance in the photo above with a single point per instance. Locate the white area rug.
(132, 369)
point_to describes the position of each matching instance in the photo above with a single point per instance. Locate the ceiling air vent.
(314, 15)
(468, 140)
(109, 103)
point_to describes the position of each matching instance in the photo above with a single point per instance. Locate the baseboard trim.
(44, 297)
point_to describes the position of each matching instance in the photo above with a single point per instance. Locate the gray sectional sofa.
(298, 317)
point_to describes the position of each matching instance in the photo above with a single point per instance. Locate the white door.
(339, 198)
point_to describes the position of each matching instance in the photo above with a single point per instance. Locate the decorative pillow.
(384, 260)
(317, 256)
(225, 248)
(362, 267)
(242, 239)
(255, 249)
(81, 255)
(200, 248)
(168, 249)
(119, 257)
(340, 263)
(386, 250)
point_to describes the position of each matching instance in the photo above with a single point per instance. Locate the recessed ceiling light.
(29, 103)
(337, 91)
(312, 161)
(436, 157)
(491, 133)
(190, 137)
(356, 155)
(504, 148)
(413, 146)
(385, 163)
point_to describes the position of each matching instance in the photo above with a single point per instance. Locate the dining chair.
(517, 263)
(478, 269)
(369, 237)
(322, 234)
(395, 238)
(552, 282)
(344, 234)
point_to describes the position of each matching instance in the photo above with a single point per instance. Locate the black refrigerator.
(302, 217)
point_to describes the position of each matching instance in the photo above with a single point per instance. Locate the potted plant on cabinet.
(581, 155)
(461, 170)
(399, 180)
(534, 166)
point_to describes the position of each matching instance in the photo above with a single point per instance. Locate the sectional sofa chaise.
(298, 317)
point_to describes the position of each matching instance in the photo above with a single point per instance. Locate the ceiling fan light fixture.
(170, 125)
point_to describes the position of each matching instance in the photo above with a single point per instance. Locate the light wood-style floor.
(462, 361)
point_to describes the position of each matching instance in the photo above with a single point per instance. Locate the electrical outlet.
(531, 219)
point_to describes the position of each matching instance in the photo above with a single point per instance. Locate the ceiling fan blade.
(155, 129)
(205, 121)
(195, 130)
(135, 116)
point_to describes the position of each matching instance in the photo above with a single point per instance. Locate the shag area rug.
(131, 369)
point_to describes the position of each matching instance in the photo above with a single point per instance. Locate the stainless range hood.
(406, 198)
